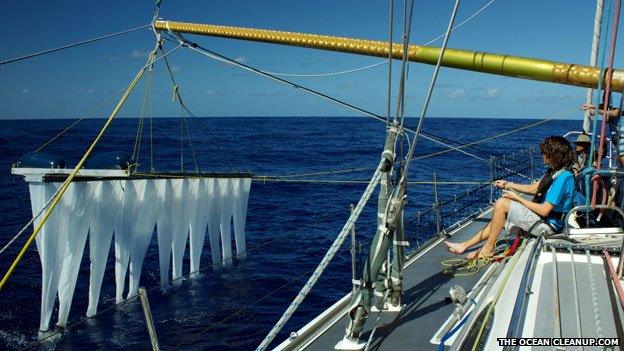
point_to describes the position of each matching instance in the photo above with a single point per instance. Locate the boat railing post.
(436, 204)
(353, 248)
(532, 160)
(491, 164)
(149, 321)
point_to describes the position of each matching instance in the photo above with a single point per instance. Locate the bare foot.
(480, 253)
(456, 248)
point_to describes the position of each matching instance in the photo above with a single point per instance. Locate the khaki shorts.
(522, 217)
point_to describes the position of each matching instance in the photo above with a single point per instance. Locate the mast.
(593, 60)
(498, 64)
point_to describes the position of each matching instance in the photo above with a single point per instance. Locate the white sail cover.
(179, 211)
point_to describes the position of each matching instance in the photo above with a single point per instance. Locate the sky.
(70, 83)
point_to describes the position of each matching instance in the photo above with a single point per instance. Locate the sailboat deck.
(425, 297)
(573, 297)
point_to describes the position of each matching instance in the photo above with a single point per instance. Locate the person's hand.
(511, 196)
(590, 107)
(587, 106)
(501, 183)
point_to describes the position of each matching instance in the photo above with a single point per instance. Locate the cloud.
(88, 91)
(473, 94)
(457, 94)
(25, 91)
(210, 92)
(265, 94)
(175, 68)
(138, 54)
(543, 98)
(241, 59)
(442, 85)
(112, 58)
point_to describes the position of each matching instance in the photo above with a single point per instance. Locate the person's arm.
(542, 209)
(530, 189)
(611, 113)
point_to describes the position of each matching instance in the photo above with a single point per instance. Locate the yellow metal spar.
(505, 65)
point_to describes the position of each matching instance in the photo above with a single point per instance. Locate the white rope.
(346, 230)
(330, 74)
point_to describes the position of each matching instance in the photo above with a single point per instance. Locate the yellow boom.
(504, 65)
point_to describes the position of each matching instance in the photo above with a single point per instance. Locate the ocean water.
(289, 228)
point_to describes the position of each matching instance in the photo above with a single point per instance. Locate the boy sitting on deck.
(554, 197)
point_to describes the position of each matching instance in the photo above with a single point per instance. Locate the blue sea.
(289, 228)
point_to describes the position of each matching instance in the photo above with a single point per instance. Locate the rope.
(97, 107)
(48, 51)
(146, 99)
(346, 230)
(196, 47)
(29, 222)
(389, 61)
(498, 135)
(191, 145)
(429, 93)
(264, 179)
(72, 175)
(389, 79)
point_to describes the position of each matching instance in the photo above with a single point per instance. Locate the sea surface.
(290, 225)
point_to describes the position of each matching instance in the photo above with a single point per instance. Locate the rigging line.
(94, 109)
(182, 106)
(73, 174)
(148, 86)
(313, 75)
(29, 222)
(191, 144)
(499, 135)
(390, 35)
(427, 155)
(400, 111)
(48, 51)
(329, 181)
(196, 47)
(429, 93)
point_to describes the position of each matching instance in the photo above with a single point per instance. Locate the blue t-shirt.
(561, 196)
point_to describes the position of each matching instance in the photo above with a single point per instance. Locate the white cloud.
(87, 91)
(138, 54)
(457, 94)
(492, 92)
(474, 94)
(175, 68)
(25, 91)
(210, 92)
(241, 59)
